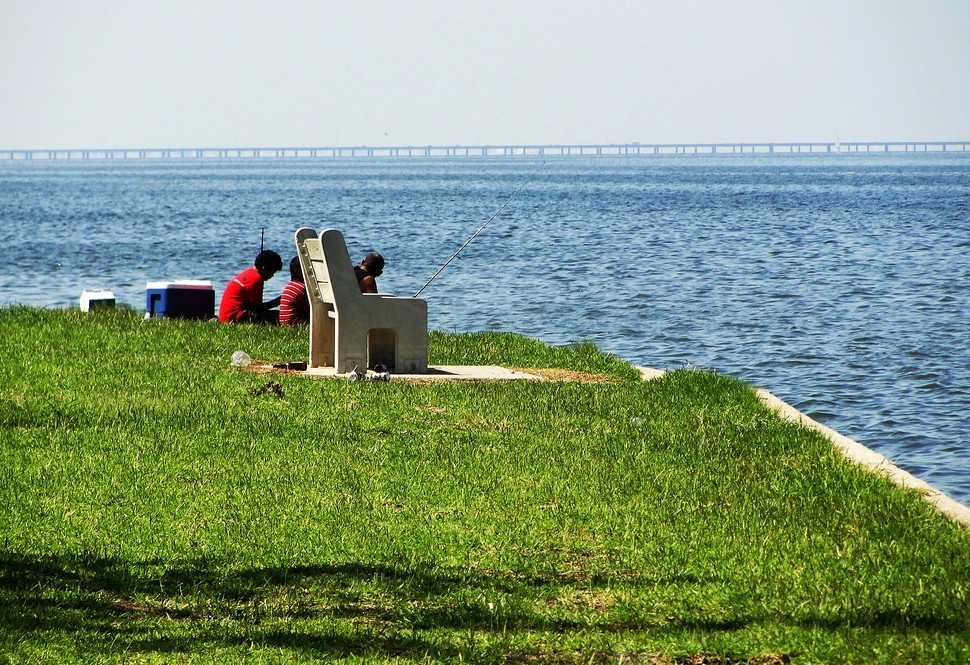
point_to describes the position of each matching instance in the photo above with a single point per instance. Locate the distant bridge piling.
(507, 150)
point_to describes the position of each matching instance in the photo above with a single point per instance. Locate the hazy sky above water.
(235, 73)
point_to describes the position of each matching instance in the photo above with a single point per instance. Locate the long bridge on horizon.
(538, 150)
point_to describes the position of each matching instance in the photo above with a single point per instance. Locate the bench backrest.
(341, 279)
(315, 273)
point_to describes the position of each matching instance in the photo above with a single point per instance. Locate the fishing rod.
(480, 229)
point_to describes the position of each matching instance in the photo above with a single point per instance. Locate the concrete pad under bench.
(444, 373)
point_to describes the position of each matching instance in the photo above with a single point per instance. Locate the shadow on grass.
(109, 606)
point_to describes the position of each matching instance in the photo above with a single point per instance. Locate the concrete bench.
(352, 331)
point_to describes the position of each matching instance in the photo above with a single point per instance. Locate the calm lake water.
(841, 283)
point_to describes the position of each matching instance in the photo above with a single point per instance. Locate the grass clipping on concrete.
(157, 505)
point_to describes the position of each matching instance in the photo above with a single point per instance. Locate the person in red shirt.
(242, 301)
(294, 304)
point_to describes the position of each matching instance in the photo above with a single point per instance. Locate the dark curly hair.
(268, 260)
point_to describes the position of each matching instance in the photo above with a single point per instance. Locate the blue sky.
(191, 73)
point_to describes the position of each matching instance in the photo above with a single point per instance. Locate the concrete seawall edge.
(856, 452)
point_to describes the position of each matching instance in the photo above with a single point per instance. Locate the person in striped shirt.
(294, 305)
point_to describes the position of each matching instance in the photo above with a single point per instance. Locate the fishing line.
(480, 229)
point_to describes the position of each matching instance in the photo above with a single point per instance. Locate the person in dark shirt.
(368, 271)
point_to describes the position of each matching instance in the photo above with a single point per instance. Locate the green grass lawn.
(159, 505)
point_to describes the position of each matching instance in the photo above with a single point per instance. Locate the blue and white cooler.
(188, 299)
